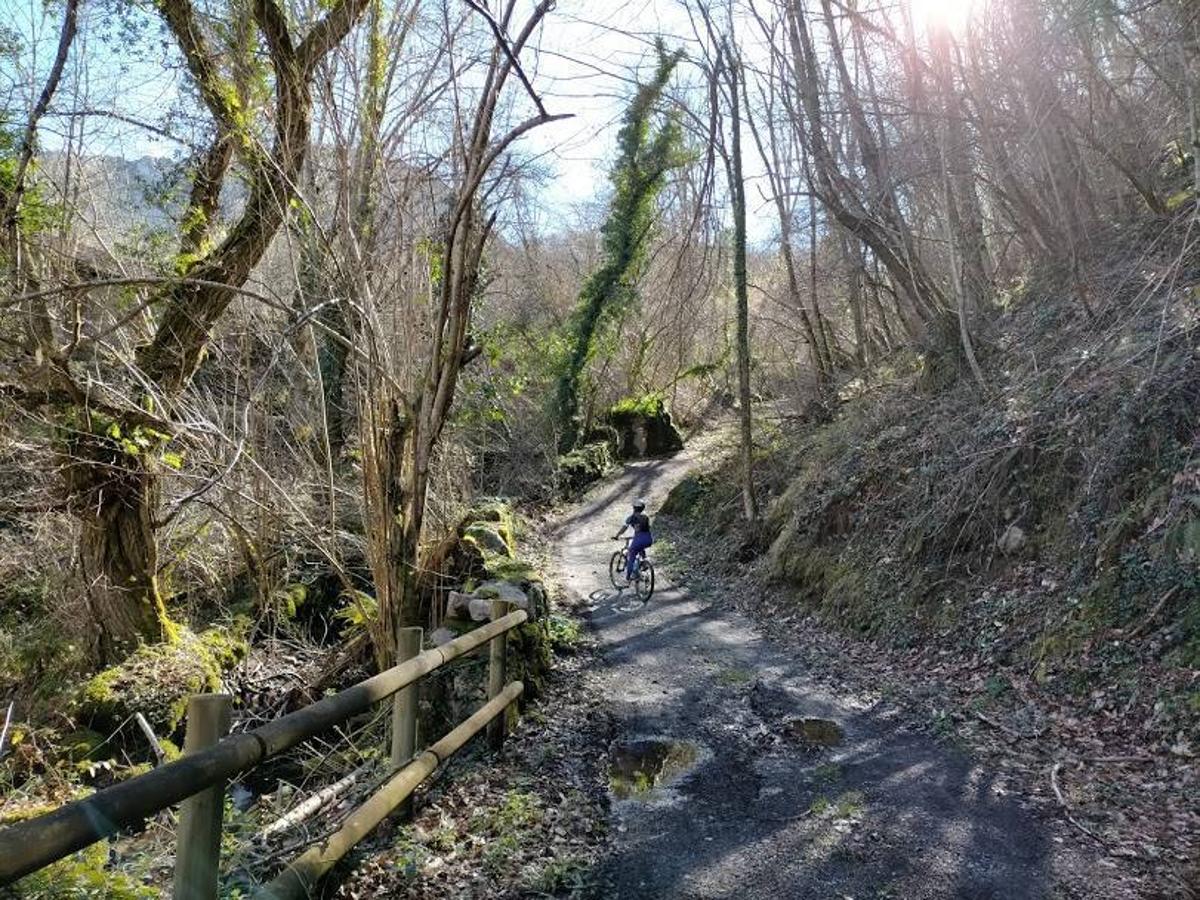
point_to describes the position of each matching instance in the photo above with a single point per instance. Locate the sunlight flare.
(952, 15)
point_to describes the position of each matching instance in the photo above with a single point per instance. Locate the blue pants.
(637, 547)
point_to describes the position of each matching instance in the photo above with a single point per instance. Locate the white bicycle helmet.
(639, 504)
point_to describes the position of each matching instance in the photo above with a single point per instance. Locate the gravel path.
(757, 811)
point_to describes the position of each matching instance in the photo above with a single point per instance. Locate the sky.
(587, 54)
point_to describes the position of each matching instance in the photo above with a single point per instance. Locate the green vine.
(646, 155)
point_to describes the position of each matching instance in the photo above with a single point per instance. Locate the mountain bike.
(643, 572)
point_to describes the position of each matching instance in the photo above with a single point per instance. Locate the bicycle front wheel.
(644, 586)
(616, 569)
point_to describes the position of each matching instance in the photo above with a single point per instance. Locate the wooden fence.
(210, 758)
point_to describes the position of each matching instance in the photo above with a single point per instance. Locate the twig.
(25, 157)
(502, 43)
(1062, 801)
(312, 804)
(147, 280)
(4, 730)
(159, 753)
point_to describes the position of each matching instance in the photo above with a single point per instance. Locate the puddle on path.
(638, 766)
(817, 732)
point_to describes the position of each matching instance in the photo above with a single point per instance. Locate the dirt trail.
(886, 813)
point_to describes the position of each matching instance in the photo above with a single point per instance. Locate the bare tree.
(405, 403)
(116, 430)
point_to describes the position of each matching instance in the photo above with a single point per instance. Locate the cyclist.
(642, 538)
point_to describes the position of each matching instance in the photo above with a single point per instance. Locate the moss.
(529, 657)
(494, 509)
(157, 679)
(82, 744)
(515, 571)
(685, 497)
(101, 691)
(288, 600)
(583, 466)
(646, 405)
(21, 813)
(486, 540)
(604, 434)
(84, 874)
(644, 427)
(134, 771)
(228, 646)
(489, 538)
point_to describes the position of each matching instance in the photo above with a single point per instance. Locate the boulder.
(644, 428)
(458, 605)
(157, 679)
(604, 434)
(503, 590)
(497, 516)
(477, 606)
(481, 609)
(583, 466)
(442, 635)
(488, 538)
(539, 605)
(685, 497)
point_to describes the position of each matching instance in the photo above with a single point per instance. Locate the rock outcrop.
(644, 428)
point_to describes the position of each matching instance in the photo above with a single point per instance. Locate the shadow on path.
(886, 813)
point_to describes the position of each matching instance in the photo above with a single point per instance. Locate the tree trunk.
(115, 497)
(852, 260)
(774, 169)
(1193, 97)
(113, 492)
(740, 282)
(394, 499)
(966, 263)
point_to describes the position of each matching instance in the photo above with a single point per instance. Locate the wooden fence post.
(198, 841)
(497, 664)
(404, 708)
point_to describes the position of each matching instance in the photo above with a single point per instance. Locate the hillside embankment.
(735, 771)
(1019, 560)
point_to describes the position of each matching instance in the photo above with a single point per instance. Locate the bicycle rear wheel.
(644, 585)
(616, 569)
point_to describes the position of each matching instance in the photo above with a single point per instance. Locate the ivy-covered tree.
(116, 434)
(649, 147)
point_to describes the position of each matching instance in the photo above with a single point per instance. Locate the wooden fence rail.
(35, 843)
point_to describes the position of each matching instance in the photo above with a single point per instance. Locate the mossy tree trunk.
(737, 188)
(637, 177)
(112, 482)
(394, 492)
(116, 498)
